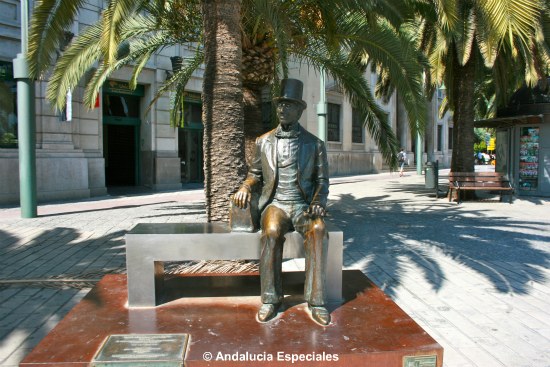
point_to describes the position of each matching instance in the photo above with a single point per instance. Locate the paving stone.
(475, 276)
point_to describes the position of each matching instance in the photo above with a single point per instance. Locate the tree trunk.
(463, 114)
(222, 98)
(257, 73)
(253, 124)
(252, 119)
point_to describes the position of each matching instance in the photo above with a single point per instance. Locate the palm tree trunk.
(463, 114)
(253, 124)
(222, 98)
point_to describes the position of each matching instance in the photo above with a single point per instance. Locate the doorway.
(190, 152)
(121, 129)
(190, 141)
(120, 157)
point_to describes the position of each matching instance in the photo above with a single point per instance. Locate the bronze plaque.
(162, 350)
(419, 361)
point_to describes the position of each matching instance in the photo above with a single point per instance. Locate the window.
(439, 138)
(192, 114)
(357, 131)
(8, 106)
(450, 138)
(333, 122)
(120, 105)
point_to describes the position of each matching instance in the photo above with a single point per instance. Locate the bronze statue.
(290, 165)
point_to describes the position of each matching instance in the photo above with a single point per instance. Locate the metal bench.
(487, 181)
(149, 245)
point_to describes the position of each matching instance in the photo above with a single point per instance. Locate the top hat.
(291, 90)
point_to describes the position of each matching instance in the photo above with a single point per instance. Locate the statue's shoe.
(320, 315)
(268, 311)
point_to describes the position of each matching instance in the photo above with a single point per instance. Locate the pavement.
(475, 276)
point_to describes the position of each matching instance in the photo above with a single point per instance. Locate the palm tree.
(336, 37)
(224, 167)
(129, 32)
(340, 38)
(466, 41)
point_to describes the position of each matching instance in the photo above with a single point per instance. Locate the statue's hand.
(316, 210)
(242, 197)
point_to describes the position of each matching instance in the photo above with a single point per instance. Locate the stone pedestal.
(219, 315)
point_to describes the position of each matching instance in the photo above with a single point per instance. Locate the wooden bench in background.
(487, 181)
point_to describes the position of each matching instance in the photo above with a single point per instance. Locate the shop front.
(523, 151)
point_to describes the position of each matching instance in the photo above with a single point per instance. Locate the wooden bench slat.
(472, 180)
(488, 181)
(477, 173)
(482, 184)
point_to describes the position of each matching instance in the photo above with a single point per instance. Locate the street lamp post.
(419, 144)
(26, 123)
(322, 109)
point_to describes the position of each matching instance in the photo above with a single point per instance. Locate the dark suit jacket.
(312, 168)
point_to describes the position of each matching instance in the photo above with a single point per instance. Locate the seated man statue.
(290, 166)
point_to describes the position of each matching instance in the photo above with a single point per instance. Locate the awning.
(501, 122)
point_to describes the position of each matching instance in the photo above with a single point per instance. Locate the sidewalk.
(475, 276)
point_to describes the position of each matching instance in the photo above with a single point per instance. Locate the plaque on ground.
(162, 350)
(420, 361)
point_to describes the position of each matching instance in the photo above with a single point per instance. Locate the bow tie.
(294, 132)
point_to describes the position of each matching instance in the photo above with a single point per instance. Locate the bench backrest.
(483, 179)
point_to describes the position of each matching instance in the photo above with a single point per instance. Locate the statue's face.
(289, 112)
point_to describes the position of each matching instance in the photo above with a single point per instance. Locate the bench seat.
(149, 245)
(486, 181)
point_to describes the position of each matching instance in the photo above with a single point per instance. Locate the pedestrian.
(402, 159)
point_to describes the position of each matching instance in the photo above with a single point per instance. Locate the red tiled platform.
(368, 329)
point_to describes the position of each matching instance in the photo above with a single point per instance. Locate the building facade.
(81, 152)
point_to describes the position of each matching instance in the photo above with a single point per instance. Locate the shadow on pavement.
(398, 236)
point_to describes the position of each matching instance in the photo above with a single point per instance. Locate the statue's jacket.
(312, 163)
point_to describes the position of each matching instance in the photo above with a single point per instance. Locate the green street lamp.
(322, 108)
(26, 123)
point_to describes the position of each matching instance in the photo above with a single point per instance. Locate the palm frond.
(85, 51)
(488, 50)
(50, 18)
(113, 15)
(447, 13)
(176, 86)
(351, 78)
(73, 64)
(140, 50)
(510, 18)
(395, 56)
(465, 35)
(272, 19)
(438, 56)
